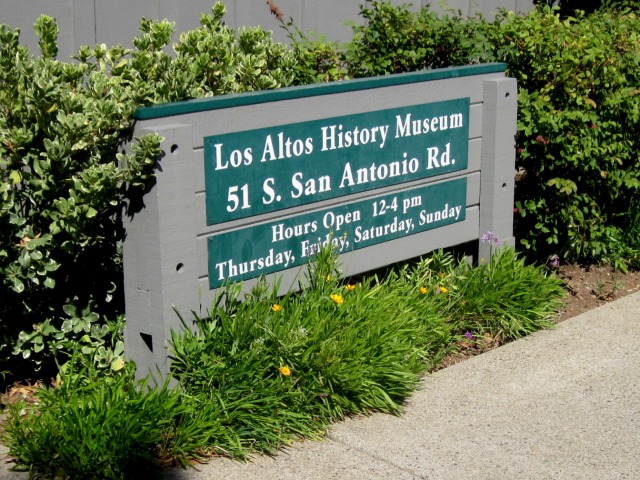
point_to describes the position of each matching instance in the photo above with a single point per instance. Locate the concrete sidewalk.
(560, 404)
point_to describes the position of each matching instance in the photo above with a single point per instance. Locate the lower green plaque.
(288, 242)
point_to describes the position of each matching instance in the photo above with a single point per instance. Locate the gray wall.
(87, 22)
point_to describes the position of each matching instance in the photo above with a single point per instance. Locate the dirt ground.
(590, 287)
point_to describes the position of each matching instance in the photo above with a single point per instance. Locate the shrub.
(64, 181)
(394, 39)
(316, 59)
(579, 109)
(62, 186)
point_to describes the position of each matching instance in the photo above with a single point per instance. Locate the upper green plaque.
(258, 171)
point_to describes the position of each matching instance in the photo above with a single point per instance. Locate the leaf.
(119, 348)
(67, 326)
(117, 364)
(15, 176)
(92, 212)
(18, 285)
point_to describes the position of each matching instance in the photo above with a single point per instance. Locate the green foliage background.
(66, 183)
(579, 114)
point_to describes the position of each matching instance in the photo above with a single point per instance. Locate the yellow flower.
(337, 298)
(276, 307)
(351, 287)
(444, 290)
(423, 290)
(328, 278)
(286, 371)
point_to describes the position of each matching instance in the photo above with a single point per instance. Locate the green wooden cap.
(288, 93)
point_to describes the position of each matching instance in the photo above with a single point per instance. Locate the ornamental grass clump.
(88, 427)
(255, 374)
(502, 296)
(279, 368)
(506, 297)
(329, 351)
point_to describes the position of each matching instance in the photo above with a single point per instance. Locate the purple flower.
(469, 335)
(554, 261)
(489, 237)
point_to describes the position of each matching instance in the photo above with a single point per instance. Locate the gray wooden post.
(160, 265)
(499, 117)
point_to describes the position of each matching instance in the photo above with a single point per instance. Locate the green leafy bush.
(579, 111)
(316, 59)
(62, 185)
(83, 338)
(393, 39)
(64, 180)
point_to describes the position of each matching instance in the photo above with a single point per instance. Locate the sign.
(265, 248)
(268, 169)
(385, 169)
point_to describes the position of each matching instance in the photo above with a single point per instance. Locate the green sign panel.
(264, 170)
(277, 245)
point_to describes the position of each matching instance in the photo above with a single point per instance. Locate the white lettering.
(407, 127)
(336, 137)
(280, 232)
(230, 269)
(405, 227)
